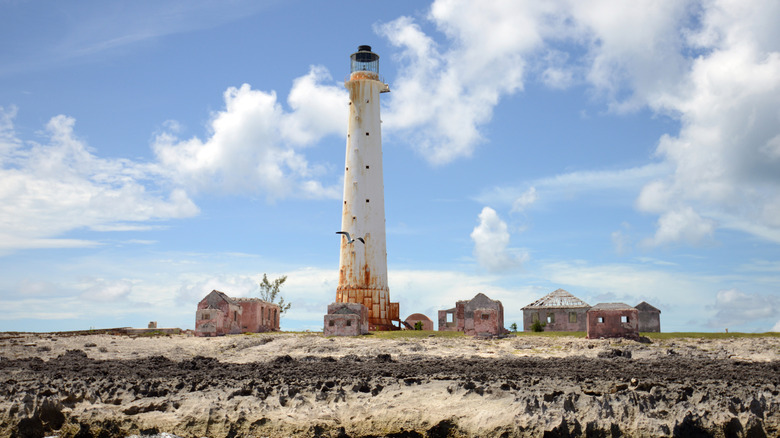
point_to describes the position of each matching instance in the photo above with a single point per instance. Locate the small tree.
(513, 326)
(538, 326)
(418, 325)
(269, 291)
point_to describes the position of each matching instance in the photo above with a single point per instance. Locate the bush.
(513, 327)
(418, 325)
(538, 326)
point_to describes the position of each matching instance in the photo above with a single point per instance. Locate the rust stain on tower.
(363, 255)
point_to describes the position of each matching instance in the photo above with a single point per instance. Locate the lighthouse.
(363, 253)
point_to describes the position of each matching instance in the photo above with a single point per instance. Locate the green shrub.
(418, 325)
(538, 326)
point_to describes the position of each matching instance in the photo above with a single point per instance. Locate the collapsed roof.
(558, 299)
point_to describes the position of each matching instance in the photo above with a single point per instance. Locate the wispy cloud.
(565, 185)
(82, 30)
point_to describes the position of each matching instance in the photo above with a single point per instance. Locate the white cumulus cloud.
(252, 142)
(713, 66)
(443, 94)
(491, 244)
(47, 189)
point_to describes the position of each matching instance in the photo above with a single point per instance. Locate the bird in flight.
(349, 239)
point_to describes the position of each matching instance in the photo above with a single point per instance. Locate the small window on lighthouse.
(366, 200)
(366, 167)
(366, 133)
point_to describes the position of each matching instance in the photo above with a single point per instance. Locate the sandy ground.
(308, 385)
(263, 347)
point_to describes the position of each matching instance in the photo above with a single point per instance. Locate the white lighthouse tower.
(363, 263)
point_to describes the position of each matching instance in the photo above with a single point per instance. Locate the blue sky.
(153, 151)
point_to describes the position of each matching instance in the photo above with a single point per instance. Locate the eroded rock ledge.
(75, 396)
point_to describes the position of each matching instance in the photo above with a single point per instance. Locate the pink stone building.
(613, 320)
(559, 311)
(218, 314)
(346, 319)
(479, 316)
(427, 323)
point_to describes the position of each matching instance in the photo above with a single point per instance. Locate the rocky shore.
(308, 385)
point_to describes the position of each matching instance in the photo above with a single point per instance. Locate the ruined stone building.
(411, 320)
(649, 318)
(218, 314)
(559, 310)
(478, 316)
(346, 319)
(613, 320)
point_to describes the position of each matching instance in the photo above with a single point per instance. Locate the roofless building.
(559, 310)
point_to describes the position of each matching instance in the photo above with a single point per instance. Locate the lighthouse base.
(382, 314)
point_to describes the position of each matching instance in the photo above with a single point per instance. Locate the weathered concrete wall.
(444, 324)
(224, 320)
(460, 316)
(259, 316)
(487, 322)
(346, 319)
(649, 321)
(218, 314)
(610, 325)
(465, 320)
(561, 319)
(483, 304)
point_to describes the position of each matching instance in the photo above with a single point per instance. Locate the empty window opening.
(331, 323)
(535, 317)
(345, 202)
(366, 166)
(550, 318)
(572, 317)
(354, 218)
(235, 316)
(205, 316)
(366, 133)
(600, 320)
(624, 318)
(347, 168)
(450, 317)
(349, 323)
(485, 316)
(366, 200)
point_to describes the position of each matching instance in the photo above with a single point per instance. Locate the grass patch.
(704, 335)
(552, 334)
(153, 334)
(416, 334)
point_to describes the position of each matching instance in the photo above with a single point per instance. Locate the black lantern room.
(364, 60)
